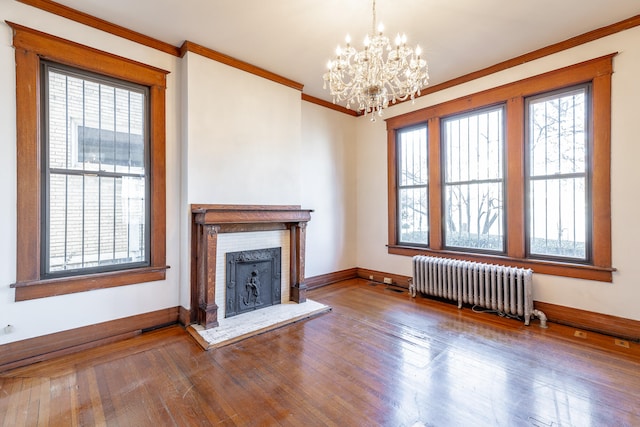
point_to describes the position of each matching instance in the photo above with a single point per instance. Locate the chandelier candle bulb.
(378, 74)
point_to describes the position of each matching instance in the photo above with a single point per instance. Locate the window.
(519, 174)
(474, 180)
(95, 181)
(91, 177)
(413, 186)
(558, 178)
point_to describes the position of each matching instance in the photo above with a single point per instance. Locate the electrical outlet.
(580, 334)
(371, 277)
(388, 280)
(622, 343)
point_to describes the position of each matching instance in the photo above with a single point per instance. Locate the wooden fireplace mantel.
(210, 220)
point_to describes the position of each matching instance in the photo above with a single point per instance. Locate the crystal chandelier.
(368, 81)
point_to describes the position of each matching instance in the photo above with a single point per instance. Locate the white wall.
(48, 315)
(618, 298)
(329, 188)
(243, 137)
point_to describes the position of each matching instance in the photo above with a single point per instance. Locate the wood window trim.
(31, 46)
(598, 71)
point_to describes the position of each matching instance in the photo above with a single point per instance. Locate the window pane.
(473, 174)
(557, 217)
(474, 216)
(557, 203)
(131, 238)
(413, 190)
(96, 184)
(557, 134)
(413, 157)
(59, 219)
(95, 126)
(474, 147)
(414, 221)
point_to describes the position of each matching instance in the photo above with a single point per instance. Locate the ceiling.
(296, 38)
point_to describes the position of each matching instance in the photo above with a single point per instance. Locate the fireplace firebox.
(253, 280)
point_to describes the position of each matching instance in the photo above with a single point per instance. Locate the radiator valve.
(543, 317)
(412, 288)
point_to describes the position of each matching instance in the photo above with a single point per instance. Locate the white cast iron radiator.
(495, 287)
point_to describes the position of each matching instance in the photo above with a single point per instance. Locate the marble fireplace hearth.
(237, 328)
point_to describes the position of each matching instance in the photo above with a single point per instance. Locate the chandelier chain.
(373, 22)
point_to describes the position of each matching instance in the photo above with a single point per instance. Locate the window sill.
(578, 271)
(67, 285)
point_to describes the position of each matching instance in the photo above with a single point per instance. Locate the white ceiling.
(296, 38)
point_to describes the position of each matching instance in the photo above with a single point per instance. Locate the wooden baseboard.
(26, 352)
(378, 276)
(602, 323)
(184, 316)
(327, 279)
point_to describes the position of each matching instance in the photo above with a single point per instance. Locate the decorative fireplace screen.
(253, 280)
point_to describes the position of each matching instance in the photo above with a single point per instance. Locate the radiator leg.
(542, 316)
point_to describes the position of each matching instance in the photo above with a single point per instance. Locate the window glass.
(96, 183)
(473, 145)
(557, 178)
(413, 188)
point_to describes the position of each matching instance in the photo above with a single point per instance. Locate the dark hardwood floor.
(379, 358)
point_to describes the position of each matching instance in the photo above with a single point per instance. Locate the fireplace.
(211, 229)
(252, 280)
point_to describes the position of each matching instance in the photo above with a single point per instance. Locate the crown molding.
(330, 105)
(86, 19)
(101, 24)
(188, 46)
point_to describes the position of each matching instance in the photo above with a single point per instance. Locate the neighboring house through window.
(95, 144)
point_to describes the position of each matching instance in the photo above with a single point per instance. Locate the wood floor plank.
(186, 404)
(10, 399)
(44, 407)
(379, 358)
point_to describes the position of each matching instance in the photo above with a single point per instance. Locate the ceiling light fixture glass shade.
(369, 79)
